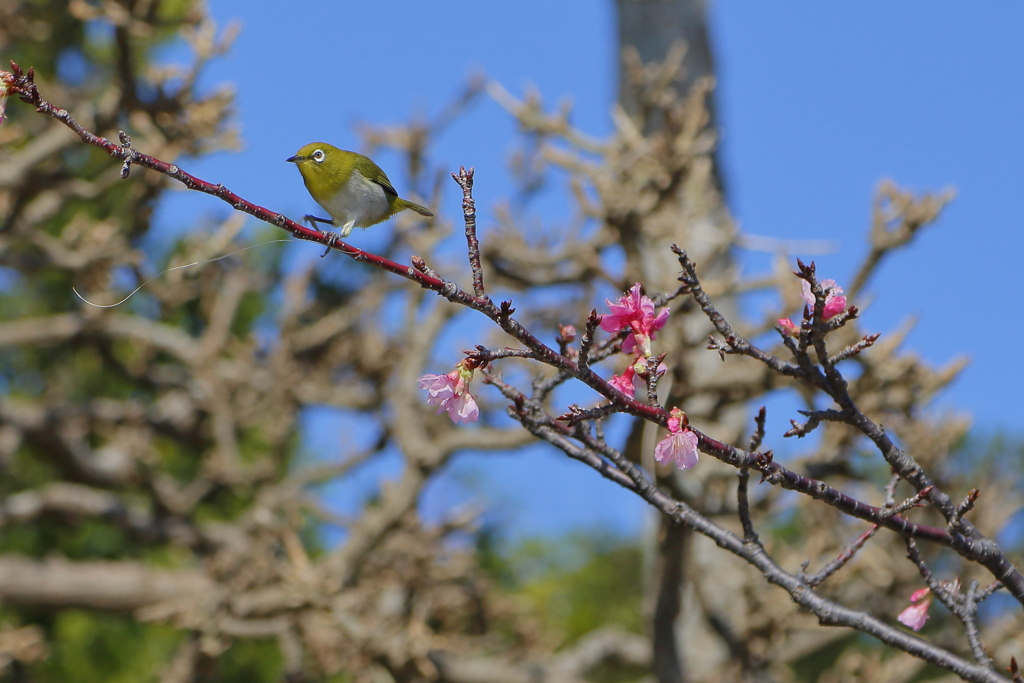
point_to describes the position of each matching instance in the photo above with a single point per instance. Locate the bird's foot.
(313, 220)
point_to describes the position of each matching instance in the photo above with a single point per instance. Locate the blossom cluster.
(450, 393)
(835, 303)
(634, 311)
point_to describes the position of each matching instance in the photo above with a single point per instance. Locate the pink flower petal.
(440, 389)
(451, 393)
(629, 344)
(623, 311)
(659, 320)
(834, 305)
(624, 382)
(915, 615)
(678, 447)
(634, 311)
(689, 456)
(463, 409)
(835, 302)
(919, 594)
(611, 322)
(789, 328)
(806, 293)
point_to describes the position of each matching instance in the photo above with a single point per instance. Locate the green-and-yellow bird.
(350, 187)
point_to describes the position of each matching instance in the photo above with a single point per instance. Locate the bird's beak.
(296, 159)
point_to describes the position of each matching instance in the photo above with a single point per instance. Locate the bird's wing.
(378, 176)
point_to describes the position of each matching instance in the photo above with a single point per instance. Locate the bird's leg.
(346, 229)
(313, 220)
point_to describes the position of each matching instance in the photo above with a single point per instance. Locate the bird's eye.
(318, 156)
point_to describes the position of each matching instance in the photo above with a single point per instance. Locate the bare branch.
(118, 586)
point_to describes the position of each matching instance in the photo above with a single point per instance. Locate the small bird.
(350, 187)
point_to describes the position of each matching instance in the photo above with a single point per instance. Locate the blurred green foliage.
(570, 585)
(80, 58)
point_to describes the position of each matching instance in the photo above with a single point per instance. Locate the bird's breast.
(360, 201)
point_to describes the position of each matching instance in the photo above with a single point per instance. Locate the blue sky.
(818, 102)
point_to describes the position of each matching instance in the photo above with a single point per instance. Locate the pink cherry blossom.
(789, 328)
(440, 388)
(463, 409)
(835, 302)
(624, 382)
(635, 312)
(915, 615)
(680, 446)
(451, 393)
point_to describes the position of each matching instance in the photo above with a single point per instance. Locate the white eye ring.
(318, 156)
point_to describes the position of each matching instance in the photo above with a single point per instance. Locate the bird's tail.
(421, 210)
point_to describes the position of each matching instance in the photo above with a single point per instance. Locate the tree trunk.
(695, 218)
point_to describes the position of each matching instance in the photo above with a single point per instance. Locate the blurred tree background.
(160, 519)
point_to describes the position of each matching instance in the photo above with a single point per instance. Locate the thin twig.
(743, 506)
(758, 436)
(914, 501)
(969, 616)
(485, 355)
(465, 180)
(854, 349)
(814, 418)
(652, 379)
(956, 521)
(842, 559)
(575, 414)
(742, 497)
(587, 341)
(987, 591)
